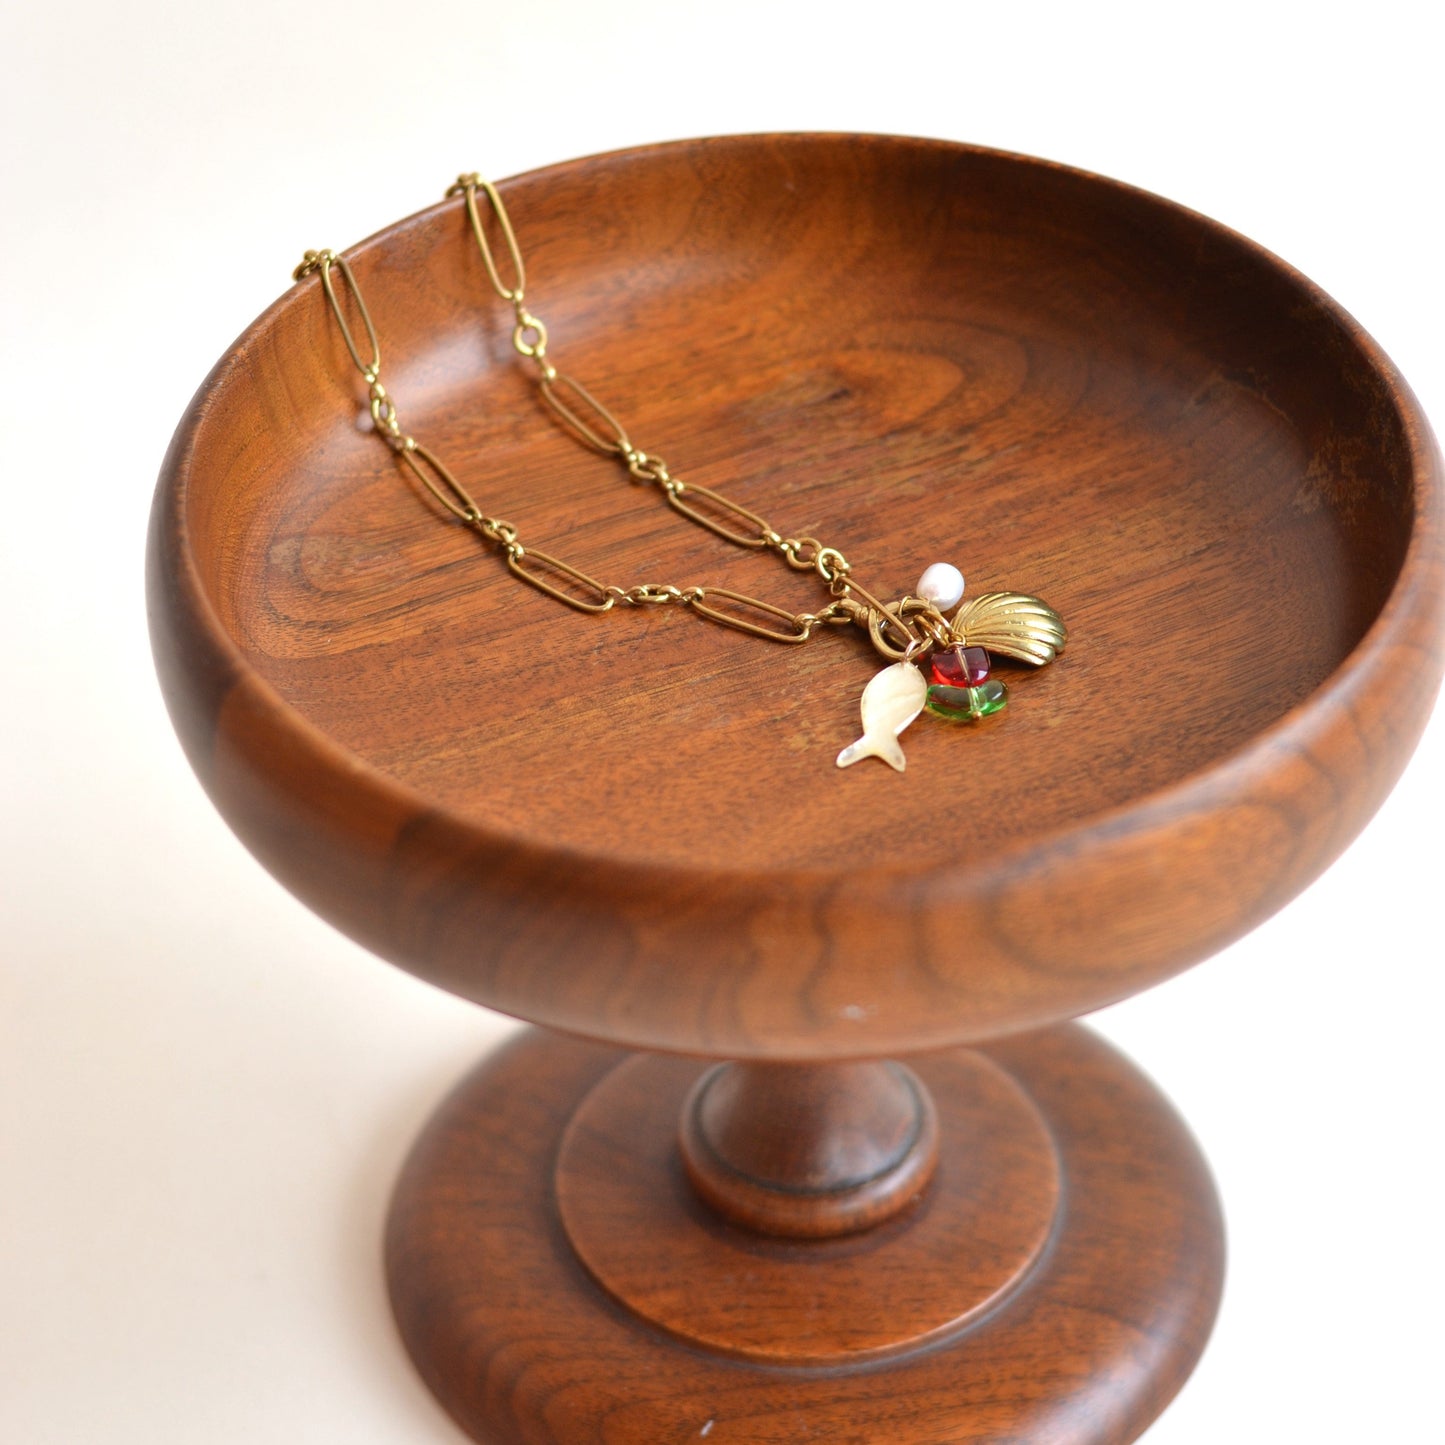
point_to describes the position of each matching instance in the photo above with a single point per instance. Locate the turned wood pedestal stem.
(809, 1150)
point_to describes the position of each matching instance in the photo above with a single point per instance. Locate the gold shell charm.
(1024, 628)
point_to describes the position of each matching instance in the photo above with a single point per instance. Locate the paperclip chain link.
(894, 631)
(594, 425)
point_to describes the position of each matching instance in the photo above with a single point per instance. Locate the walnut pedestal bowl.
(805, 1146)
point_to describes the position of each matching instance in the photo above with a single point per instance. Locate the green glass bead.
(967, 704)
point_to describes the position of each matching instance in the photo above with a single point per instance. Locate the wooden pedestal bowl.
(630, 828)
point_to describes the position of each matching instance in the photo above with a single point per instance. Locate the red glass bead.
(960, 667)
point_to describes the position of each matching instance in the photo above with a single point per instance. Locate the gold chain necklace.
(914, 632)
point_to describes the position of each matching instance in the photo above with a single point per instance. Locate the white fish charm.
(890, 702)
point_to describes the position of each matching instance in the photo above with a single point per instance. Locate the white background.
(204, 1092)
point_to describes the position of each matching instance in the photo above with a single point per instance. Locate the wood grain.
(630, 827)
(521, 1345)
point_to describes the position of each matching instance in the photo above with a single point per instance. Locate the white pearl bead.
(942, 585)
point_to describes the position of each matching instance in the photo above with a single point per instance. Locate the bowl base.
(967, 1237)
(1085, 1341)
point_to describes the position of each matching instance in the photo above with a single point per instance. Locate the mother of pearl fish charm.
(890, 702)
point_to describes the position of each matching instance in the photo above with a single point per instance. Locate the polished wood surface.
(631, 826)
(522, 1345)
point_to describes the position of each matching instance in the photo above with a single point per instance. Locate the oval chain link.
(920, 627)
(896, 630)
